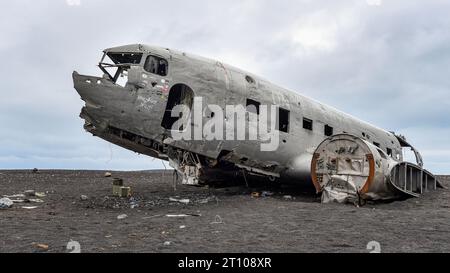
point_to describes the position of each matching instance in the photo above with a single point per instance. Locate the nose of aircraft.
(106, 102)
(89, 89)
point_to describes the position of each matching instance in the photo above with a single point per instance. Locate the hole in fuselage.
(250, 79)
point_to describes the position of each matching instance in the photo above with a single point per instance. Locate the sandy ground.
(222, 219)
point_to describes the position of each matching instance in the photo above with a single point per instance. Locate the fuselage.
(137, 115)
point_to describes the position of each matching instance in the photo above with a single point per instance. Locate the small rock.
(182, 227)
(255, 194)
(167, 243)
(122, 216)
(84, 197)
(217, 220)
(6, 203)
(266, 193)
(108, 174)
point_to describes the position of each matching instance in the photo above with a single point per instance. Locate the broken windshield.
(113, 64)
(125, 58)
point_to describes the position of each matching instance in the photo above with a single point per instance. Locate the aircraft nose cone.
(79, 83)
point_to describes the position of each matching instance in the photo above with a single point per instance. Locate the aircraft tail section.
(346, 168)
(412, 180)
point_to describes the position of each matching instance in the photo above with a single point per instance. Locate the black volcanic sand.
(224, 219)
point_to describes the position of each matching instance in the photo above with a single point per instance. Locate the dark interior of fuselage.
(180, 94)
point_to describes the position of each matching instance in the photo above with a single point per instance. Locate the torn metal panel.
(340, 190)
(404, 143)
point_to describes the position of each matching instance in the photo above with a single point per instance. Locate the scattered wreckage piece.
(30, 192)
(25, 197)
(119, 189)
(35, 200)
(183, 215)
(125, 192)
(40, 194)
(184, 201)
(122, 216)
(20, 195)
(29, 207)
(346, 168)
(41, 246)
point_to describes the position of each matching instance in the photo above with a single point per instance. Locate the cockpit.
(117, 64)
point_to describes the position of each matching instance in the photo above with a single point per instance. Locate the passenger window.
(156, 65)
(283, 120)
(328, 130)
(307, 124)
(376, 144)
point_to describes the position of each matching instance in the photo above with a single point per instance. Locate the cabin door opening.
(179, 94)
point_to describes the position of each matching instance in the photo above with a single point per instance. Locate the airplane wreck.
(148, 95)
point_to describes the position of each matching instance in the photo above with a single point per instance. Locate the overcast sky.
(384, 61)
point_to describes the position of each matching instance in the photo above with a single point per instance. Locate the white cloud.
(322, 32)
(374, 2)
(316, 37)
(73, 2)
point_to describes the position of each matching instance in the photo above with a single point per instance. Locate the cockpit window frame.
(117, 61)
(120, 66)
